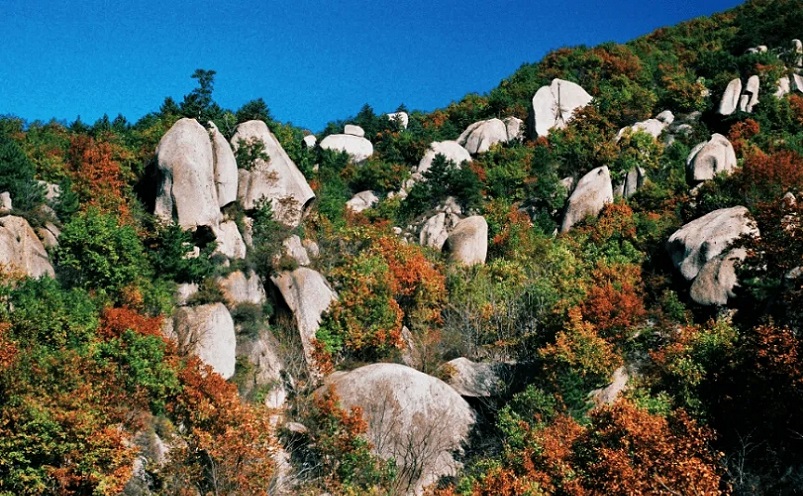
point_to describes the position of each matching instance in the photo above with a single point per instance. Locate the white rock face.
(452, 150)
(468, 241)
(5, 202)
(593, 192)
(21, 250)
(225, 167)
(186, 166)
(184, 292)
(357, 147)
(608, 394)
(278, 179)
(797, 49)
(701, 240)
(731, 97)
(238, 288)
(633, 181)
(362, 201)
(710, 158)
(751, 91)
(268, 367)
(434, 232)
(515, 128)
(478, 137)
(798, 80)
(554, 105)
(472, 379)
(229, 241)
(401, 117)
(653, 127)
(354, 130)
(293, 248)
(783, 87)
(308, 296)
(414, 418)
(208, 331)
(716, 281)
(310, 141)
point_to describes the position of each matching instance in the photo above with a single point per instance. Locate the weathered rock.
(710, 158)
(468, 241)
(633, 181)
(478, 137)
(293, 248)
(716, 281)
(653, 127)
(751, 91)
(451, 150)
(239, 288)
(797, 50)
(357, 147)
(208, 331)
(434, 232)
(401, 117)
(308, 296)
(731, 97)
(362, 201)
(5, 202)
(21, 250)
(229, 241)
(226, 176)
(267, 369)
(52, 191)
(593, 192)
(554, 105)
(313, 250)
(354, 130)
(277, 179)
(185, 292)
(667, 117)
(186, 166)
(310, 141)
(472, 379)
(515, 128)
(608, 394)
(702, 239)
(414, 418)
(798, 80)
(783, 87)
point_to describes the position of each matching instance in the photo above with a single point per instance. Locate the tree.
(198, 104)
(17, 176)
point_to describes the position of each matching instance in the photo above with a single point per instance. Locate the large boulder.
(631, 183)
(710, 158)
(267, 373)
(451, 150)
(354, 130)
(751, 94)
(472, 379)
(277, 179)
(308, 296)
(554, 105)
(208, 331)
(414, 418)
(731, 97)
(362, 201)
(357, 147)
(230, 242)
(20, 249)
(226, 176)
(239, 288)
(294, 248)
(701, 240)
(186, 165)
(478, 137)
(434, 232)
(468, 241)
(401, 117)
(592, 193)
(716, 281)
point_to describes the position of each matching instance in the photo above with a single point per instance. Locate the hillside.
(585, 282)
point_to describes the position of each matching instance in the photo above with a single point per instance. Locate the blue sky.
(311, 61)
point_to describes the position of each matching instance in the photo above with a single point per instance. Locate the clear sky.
(312, 61)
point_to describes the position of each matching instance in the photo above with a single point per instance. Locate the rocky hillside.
(587, 281)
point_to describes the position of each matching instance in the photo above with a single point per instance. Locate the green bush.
(17, 176)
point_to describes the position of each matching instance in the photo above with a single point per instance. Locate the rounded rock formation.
(208, 331)
(710, 158)
(357, 147)
(21, 250)
(468, 241)
(592, 193)
(555, 105)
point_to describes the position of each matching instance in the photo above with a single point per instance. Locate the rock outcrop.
(710, 158)
(267, 369)
(401, 117)
(731, 97)
(357, 147)
(208, 331)
(703, 239)
(471, 379)
(294, 248)
(239, 288)
(717, 279)
(468, 241)
(276, 179)
(416, 419)
(592, 193)
(478, 137)
(555, 105)
(308, 296)
(362, 201)
(451, 150)
(226, 176)
(229, 241)
(21, 250)
(187, 189)
(435, 231)
(354, 130)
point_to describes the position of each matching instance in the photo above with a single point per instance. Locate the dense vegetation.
(89, 382)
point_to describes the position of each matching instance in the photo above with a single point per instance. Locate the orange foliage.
(8, 348)
(97, 175)
(777, 352)
(616, 219)
(773, 174)
(615, 300)
(740, 133)
(796, 102)
(226, 437)
(115, 321)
